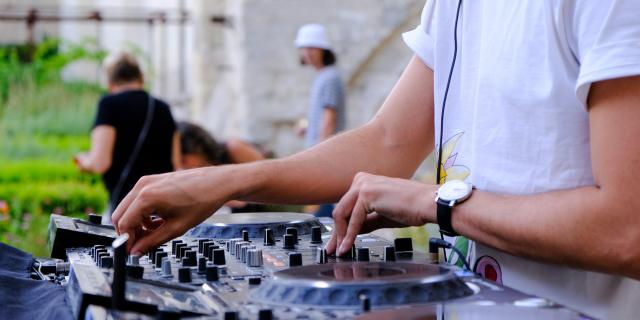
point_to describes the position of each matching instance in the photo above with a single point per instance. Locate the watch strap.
(443, 212)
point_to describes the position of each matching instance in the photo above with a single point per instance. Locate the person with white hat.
(326, 114)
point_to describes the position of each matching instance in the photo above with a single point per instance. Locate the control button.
(184, 274)
(135, 272)
(218, 257)
(212, 273)
(189, 259)
(106, 262)
(321, 255)
(265, 314)
(99, 251)
(101, 254)
(254, 281)
(231, 244)
(363, 254)
(316, 234)
(159, 256)
(180, 247)
(351, 254)
(210, 250)
(389, 253)
(254, 258)
(202, 265)
(231, 315)
(200, 243)
(152, 255)
(295, 259)
(403, 244)
(292, 231)
(166, 266)
(245, 235)
(269, 240)
(95, 218)
(288, 242)
(365, 303)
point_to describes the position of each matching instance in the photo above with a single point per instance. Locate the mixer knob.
(189, 259)
(231, 244)
(184, 274)
(212, 273)
(245, 235)
(99, 251)
(95, 218)
(201, 243)
(292, 231)
(289, 241)
(134, 271)
(202, 265)
(218, 257)
(363, 254)
(254, 258)
(244, 252)
(351, 254)
(106, 262)
(166, 266)
(321, 255)
(159, 256)
(210, 250)
(101, 254)
(134, 260)
(94, 250)
(295, 259)
(389, 253)
(268, 237)
(237, 247)
(316, 234)
(206, 248)
(180, 248)
(265, 314)
(173, 246)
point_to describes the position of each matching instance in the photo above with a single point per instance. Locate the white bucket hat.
(313, 35)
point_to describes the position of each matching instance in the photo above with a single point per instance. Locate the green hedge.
(42, 170)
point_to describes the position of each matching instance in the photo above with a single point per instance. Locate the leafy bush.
(30, 171)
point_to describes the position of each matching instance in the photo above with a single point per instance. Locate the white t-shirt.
(516, 119)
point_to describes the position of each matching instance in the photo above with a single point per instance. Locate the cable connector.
(435, 244)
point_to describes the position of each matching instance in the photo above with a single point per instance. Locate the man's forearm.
(584, 227)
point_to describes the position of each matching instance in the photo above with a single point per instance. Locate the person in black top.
(117, 128)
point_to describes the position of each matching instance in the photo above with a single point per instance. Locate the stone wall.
(263, 90)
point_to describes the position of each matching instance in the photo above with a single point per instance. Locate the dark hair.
(328, 58)
(124, 68)
(196, 140)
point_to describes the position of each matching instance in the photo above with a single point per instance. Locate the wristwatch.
(450, 194)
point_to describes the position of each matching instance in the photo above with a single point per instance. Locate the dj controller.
(269, 266)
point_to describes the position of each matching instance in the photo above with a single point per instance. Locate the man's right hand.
(162, 207)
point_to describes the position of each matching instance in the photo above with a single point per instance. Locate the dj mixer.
(270, 266)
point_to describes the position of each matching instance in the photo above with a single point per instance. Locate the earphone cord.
(444, 100)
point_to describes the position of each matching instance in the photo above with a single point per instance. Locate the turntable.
(344, 285)
(228, 226)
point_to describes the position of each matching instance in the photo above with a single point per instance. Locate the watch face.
(457, 190)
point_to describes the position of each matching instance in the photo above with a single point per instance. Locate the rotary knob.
(321, 256)
(174, 243)
(295, 259)
(217, 257)
(134, 260)
(389, 253)
(106, 262)
(245, 235)
(184, 274)
(212, 273)
(166, 266)
(254, 258)
(268, 237)
(95, 218)
(159, 256)
(292, 231)
(202, 265)
(135, 272)
(189, 259)
(316, 234)
(288, 241)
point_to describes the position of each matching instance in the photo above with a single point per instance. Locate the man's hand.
(162, 207)
(375, 202)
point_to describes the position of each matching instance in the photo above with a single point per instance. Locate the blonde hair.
(123, 68)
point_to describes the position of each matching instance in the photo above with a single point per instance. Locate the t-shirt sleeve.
(606, 41)
(331, 93)
(106, 114)
(419, 40)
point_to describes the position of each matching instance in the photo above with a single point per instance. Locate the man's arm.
(329, 120)
(394, 143)
(99, 158)
(595, 228)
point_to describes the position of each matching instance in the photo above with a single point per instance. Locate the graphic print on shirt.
(449, 170)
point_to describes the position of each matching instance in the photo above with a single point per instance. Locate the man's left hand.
(374, 202)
